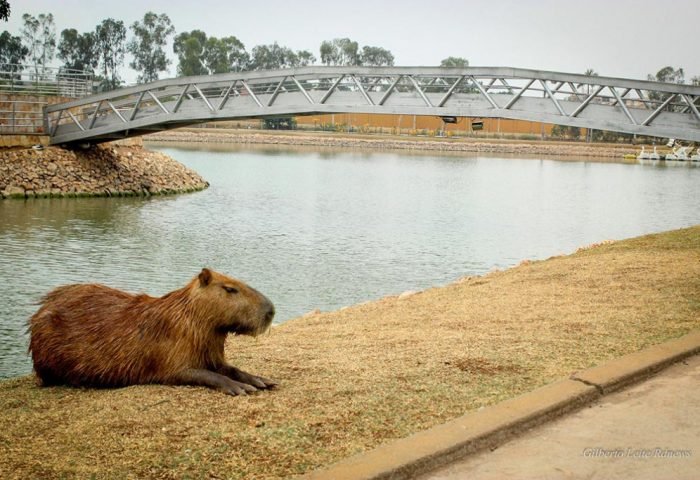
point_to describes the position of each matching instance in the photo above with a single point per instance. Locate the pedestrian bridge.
(604, 103)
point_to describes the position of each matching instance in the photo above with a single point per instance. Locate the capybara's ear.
(204, 277)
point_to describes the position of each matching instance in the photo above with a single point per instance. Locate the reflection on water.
(327, 229)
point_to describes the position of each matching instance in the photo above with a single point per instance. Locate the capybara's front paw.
(245, 377)
(238, 388)
(262, 382)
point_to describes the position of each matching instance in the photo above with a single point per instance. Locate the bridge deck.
(605, 103)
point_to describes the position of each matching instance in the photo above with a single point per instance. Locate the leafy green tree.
(226, 54)
(39, 36)
(199, 55)
(454, 62)
(340, 51)
(668, 75)
(4, 10)
(111, 37)
(12, 54)
(268, 57)
(328, 53)
(150, 36)
(189, 48)
(11, 49)
(304, 58)
(376, 57)
(78, 50)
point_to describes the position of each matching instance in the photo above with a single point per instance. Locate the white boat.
(654, 155)
(643, 155)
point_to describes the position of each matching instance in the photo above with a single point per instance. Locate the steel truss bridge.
(605, 103)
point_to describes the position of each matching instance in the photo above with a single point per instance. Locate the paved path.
(648, 431)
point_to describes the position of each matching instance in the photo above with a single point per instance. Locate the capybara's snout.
(267, 309)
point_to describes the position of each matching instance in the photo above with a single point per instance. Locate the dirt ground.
(353, 379)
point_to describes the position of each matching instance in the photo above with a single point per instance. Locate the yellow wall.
(417, 122)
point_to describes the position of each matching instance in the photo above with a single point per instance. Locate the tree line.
(102, 50)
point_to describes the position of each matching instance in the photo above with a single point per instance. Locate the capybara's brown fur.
(96, 336)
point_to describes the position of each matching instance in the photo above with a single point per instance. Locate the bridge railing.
(26, 89)
(626, 105)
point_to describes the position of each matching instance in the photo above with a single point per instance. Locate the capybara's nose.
(270, 313)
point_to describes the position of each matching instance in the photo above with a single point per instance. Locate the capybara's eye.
(230, 289)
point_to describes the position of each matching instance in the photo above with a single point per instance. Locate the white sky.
(623, 38)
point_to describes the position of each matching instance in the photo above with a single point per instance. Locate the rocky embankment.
(102, 170)
(497, 146)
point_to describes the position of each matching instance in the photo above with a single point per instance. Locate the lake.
(322, 229)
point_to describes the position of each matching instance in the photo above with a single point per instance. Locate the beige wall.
(417, 122)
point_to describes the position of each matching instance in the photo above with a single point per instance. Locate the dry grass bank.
(353, 379)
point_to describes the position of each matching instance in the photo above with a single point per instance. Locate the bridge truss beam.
(604, 103)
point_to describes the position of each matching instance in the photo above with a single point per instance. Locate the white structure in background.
(643, 155)
(679, 153)
(654, 155)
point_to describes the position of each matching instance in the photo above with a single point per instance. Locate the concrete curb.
(492, 426)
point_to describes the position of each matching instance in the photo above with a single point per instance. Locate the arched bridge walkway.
(617, 104)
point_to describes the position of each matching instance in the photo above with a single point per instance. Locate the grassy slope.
(353, 379)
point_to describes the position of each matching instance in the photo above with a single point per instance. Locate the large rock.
(102, 170)
(13, 191)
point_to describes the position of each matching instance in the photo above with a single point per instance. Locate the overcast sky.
(624, 38)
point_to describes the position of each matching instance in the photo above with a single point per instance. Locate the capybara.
(95, 336)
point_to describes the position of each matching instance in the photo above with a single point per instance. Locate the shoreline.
(359, 377)
(393, 142)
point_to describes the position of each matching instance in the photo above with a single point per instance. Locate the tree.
(110, 36)
(304, 58)
(328, 53)
(668, 75)
(39, 36)
(199, 55)
(11, 49)
(150, 36)
(4, 10)
(454, 62)
(78, 51)
(189, 48)
(268, 57)
(589, 73)
(376, 57)
(348, 51)
(12, 54)
(665, 75)
(225, 55)
(340, 51)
